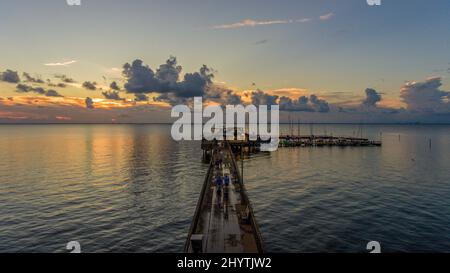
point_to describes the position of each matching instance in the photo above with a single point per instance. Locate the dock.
(326, 140)
(224, 221)
(248, 146)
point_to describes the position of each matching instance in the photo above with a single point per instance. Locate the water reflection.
(132, 188)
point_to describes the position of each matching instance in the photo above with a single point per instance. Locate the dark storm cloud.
(372, 98)
(10, 76)
(29, 78)
(166, 81)
(426, 96)
(89, 103)
(114, 86)
(90, 85)
(112, 95)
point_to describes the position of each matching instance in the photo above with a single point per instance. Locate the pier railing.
(245, 199)
(199, 204)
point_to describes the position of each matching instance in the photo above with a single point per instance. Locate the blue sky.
(333, 48)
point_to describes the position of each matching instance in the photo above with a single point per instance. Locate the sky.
(320, 60)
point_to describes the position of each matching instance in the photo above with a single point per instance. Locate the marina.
(325, 140)
(248, 146)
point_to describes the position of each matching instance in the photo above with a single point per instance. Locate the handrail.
(258, 237)
(199, 204)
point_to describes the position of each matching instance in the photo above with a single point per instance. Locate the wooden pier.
(223, 221)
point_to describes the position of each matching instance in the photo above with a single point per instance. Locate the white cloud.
(327, 16)
(61, 64)
(304, 20)
(254, 23)
(426, 96)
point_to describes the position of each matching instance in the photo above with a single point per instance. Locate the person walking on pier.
(218, 181)
(226, 180)
(219, 185)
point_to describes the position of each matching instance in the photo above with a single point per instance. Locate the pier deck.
(224, 222)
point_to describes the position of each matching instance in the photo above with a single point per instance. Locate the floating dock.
(224, 221)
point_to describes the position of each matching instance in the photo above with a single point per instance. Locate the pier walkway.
(224, 220)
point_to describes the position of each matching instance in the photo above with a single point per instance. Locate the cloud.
(140, 78)
(250, 23)
(372, 98)
(222, 95)
(89, 103)
(90, 85)
(65, 79)
(255, 23)
(304, 20)
(326, 17)
(42, 109)
(23, 88)
(140, 97)
(426, 96)
(60, 85)
(29, 78)
(112, 95)
(230, 98)
(300, 105)
(61, 64)
(304, 104)
(319, 105)
(259, 97)
(10, 76)
(53, 93)
(261, 42)
(114, 86)
(166, 81)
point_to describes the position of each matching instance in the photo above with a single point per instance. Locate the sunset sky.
(320, 60)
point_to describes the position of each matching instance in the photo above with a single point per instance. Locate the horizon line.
(281, 123)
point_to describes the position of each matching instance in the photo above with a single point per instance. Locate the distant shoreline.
(128, 123)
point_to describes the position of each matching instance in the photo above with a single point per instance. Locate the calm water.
(130, 188)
